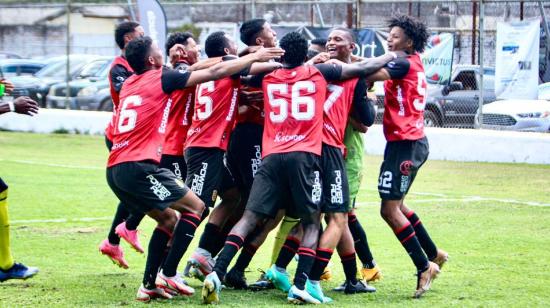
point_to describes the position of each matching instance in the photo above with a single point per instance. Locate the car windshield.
(93, 69)
(58, 68)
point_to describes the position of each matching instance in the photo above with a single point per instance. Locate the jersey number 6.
(302, 108)
(128, 117)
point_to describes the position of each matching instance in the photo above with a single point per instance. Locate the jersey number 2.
(128, 117)
(296, 101)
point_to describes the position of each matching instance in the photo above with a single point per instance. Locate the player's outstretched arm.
(260, 68)
(228, 68)
(367, 66)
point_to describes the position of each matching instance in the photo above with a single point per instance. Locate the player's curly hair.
(295, 46)
(177, 38)
(250, 30)
(215, 44)
(122, 29)
(137, 52)
(414, 29)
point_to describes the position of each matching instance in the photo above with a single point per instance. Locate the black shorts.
(335, 181)
(206, 173)
(402, 159)
(287, 180)
(143, 186)
(176, 164)
(244, 155)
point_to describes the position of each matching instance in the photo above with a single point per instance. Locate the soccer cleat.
(211, 289)
(146, 295)
(280, 280)
(235, 279)
(18, 271)
(358, 287)
(425, 279)
(371, 274)
(261, 284)
(130, 236)
(113, 252)
(297, 296)
(341, 287)
(202, 261)
(314, 289)
(441, 258)
(173, 285)
(327, 274)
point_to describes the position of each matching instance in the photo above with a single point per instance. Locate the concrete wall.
(445, 143)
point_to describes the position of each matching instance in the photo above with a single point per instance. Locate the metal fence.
(473, 24)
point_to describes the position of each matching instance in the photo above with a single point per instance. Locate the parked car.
(517, 114)
(19, 67)
(9, 55)
(83, 90)
(38, 86)
(456, 104)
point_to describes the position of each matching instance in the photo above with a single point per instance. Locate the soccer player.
(207, 141)
(407, 146)
(316, 46)
(290, 168)
(132, 169)
(124, 225)
(8, 268)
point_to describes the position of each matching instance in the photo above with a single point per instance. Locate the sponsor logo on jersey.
(317, 190)
(120, 145)
(198, 180)
(166, 112)
(336, 195)
(405, 167)
(400, 102)
(405, 181)
(187, 109)
(158, 189)
(279, 137)
(329, 128)
(233, 104)
(257, 160)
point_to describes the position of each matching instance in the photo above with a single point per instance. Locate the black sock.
(360, 239)
(232, 245)
(423, 237)
(305, 262)
(245, 257)
(157, 245)
(408, 239)
(183, 235)
(287, 252)
(321, 260)
(134, 220)
(120, 215)
(349, 263)
(210, 238)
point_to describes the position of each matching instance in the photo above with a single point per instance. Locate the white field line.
(30, 162)
(464, 199)
(60, 220)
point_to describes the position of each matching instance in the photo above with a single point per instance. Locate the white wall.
(445, 143)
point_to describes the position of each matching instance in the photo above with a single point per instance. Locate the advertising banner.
(153, 20)
(438, 58)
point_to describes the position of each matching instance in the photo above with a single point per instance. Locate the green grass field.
(493, 219)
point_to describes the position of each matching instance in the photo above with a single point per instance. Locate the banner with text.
(517, 60)
(438, 58)
(153, 21)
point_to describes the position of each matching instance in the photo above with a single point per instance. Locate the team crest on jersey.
(406, 167)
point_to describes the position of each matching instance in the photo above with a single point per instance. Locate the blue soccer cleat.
(18, 271)
(315, 290)
(297, 296)
(211, 289)
(279, 279)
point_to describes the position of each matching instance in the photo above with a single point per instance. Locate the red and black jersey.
(179, 119)
(118, 73)
(255, 112)
(294, 99)
(336, 111)
(142, 115)
(405, 99)
(216, 105)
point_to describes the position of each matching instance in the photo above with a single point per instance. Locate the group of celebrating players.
(276, 132)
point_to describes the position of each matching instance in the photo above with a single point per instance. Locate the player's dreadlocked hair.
(122, 29)
(413, 28)
(251, 29)
(215, 44)
(177, 38)
(137, 53)
(295, 46)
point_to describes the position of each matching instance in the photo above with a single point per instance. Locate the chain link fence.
(456, 103)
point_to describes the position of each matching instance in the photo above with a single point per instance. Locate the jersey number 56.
(302, 108)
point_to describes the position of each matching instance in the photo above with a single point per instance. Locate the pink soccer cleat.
(114, 252)
(130, 236)
(146, 295)
(173, 285)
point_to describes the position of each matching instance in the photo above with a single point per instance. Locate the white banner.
(438, 58)
(517, 60)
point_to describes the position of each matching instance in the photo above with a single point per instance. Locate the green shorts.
(354, 160)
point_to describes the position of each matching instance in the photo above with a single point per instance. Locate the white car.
(517, 114)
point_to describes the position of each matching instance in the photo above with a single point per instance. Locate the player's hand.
(252, 97)
(321, 57)
(249, 50)
(176, 53)
(25, 105)
(266, 54)
(358, 126)
(8, 85)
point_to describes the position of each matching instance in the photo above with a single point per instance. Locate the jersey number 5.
(128, 117)
(204, 100)
(420, 103)
(302, 108)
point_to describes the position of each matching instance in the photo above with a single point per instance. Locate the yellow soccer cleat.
(441, 258)
(425, 279)
(371, 274)
(327, 274)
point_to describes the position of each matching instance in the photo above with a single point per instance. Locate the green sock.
(284, 228)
